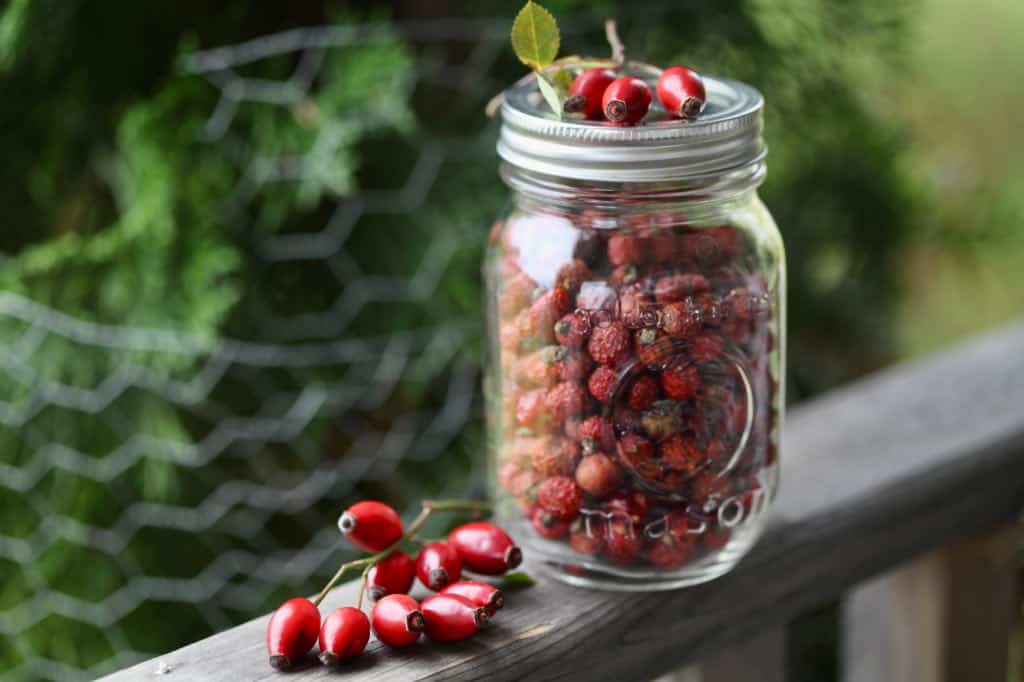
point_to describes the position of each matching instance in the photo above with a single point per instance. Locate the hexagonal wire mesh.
(131, 540)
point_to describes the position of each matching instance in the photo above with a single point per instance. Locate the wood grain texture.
(945, 617)
(873, 474)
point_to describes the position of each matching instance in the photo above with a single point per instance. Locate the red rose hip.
(291, 632)
(485, 548)
(371, 526)
(586, 92)
(397, 620)
(478, 593)
(681, 92)
(393, 575)
(438, 564)
(450, 617)
(344, 634)
(626, 100)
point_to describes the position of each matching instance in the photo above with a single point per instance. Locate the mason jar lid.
(726, 136)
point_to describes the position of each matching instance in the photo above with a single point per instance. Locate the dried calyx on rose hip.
(484, 548)
(292, 631)
(344, 634)
(371, 526)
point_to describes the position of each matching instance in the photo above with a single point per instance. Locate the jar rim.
(727, 136)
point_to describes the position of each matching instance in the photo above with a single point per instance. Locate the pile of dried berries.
(458, 610)
(636, 394)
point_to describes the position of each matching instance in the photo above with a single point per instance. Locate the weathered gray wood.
(761, 657)
(944, 617)
(873, 474)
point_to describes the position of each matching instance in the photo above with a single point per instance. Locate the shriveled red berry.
(531, 412)
(572, 330)
(625, 275)
(451, 617)
(681, 454)
(627, 420)
(572, 275)
(680, 379)
(626, 100)
(575, 367)
(634, 305)
(485, 548)
(394, 574)
(587, 539)
(609, 344)
(536, 323)
(681, 92)
(624, 541)
(438, 564)
(668, 553)
(706, 348)
(566, 400)
(681, 319)
(596, 433)
(598, 474)
(397, 620)
(559, 495)
(663, 419)
(344, 634)
(371, 526)
(540, 368)
(478, 593)
(603, 383)
(643, 392)
(548, 525)
(629, 506)
(625, 249)
(586, 92)
(653, 347)
(637, 453)
(555, 456)
(677, 287)
(292, 632)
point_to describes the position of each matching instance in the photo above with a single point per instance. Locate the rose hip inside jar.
(636, 316)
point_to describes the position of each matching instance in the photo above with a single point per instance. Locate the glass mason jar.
(636, 321)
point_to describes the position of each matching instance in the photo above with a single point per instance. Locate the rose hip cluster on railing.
(456, 612)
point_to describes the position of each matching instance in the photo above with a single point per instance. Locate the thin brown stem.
(366, 563)
(611, 32)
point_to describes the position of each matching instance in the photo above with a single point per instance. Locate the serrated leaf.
(517, 581)
(563, 79)
(535, 37)
(552, 95)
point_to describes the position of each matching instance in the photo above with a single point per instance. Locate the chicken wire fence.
(130, 540)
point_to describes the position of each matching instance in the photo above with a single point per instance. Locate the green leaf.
(535, 36)
(517, 581)
(552, 95)
(563, 79)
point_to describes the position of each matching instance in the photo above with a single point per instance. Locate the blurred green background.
(300, 216)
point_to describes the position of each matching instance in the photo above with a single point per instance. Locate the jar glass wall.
(634, 386)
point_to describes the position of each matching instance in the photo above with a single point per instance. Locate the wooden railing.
(918, 471)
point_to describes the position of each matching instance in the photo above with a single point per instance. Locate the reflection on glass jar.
(636, 315)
